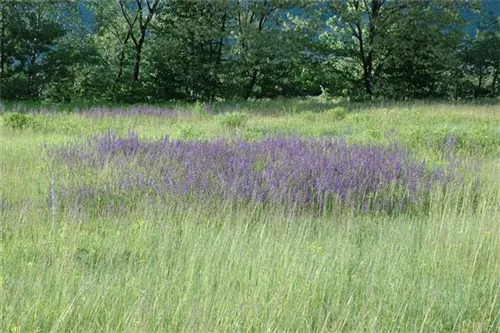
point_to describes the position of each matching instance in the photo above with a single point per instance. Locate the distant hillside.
(493, 5)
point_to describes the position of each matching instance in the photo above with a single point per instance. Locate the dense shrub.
(335, 114)
(234, 119)
(18, 121)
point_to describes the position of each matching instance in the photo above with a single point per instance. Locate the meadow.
(278, 216)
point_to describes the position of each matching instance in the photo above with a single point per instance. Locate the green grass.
(195, 267)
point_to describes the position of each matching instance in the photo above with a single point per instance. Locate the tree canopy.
(143, 50)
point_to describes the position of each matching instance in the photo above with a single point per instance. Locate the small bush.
(200, 109)
(309, 116)
(253, 135)
(335, 114)
(234, 120)
(358, 118)
(18, 121)
(187, 133)
(415, 136)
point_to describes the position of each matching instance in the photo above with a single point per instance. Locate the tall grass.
(190, 266)
(183, 268)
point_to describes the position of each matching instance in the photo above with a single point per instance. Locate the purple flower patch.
(295, 172)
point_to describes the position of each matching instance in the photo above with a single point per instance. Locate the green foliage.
(18, 121)
(246, 50)
(309, 116)
(479, 71)
(358, 117)
(404, 74)
(378, 53)
(472, 140)
(253, 135)
(199, 109)
(30, 31)
(42, 123)
(335, 114)
(187, 133)
(233, 120)
(209, 49)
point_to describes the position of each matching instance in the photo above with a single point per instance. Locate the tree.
(423, 64)
(30, 30)
(481, 56)
(113, 34)
(358, 25)
(378, 37)
(208, 49)
(2, 38)
(271, 45)
(189, 48)
(143, 16)
(136, 51)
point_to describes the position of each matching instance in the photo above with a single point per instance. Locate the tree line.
(156, 50)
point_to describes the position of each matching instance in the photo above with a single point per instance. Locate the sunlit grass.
(190, 266)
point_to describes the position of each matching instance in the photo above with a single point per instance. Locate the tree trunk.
(2, 38)
(480, 83)
(137, 63)
(495, 79)
(372, 33)
(122, 59)
(367, 63)
(367, 73)
(143, 25)
(138, 54)
(366, 45)
(251, 84)
(120, 66)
